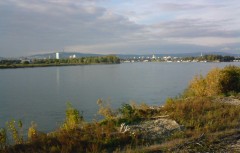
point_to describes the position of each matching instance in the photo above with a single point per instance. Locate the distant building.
(26, 61)
(57, 55)
(153, 57)
(72, 56)
(167, 58)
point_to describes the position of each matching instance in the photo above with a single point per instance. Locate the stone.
(155, 129)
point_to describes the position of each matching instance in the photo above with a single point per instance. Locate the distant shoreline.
(16, 66)
(47, 65)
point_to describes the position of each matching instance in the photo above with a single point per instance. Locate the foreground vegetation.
(207, 123)
(110, 59)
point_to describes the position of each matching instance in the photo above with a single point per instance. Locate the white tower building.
(57, 55)
(153, 57)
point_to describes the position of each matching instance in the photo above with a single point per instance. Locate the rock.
(155, 129)
(229, 100)
(236, 146)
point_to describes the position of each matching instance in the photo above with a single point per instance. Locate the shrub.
(212, 82)
(105, 110)
(127, 111)
(230, 79)
(73, 118)
(216, 82)
(3, 138)
(16, 131)
(32, 132)
(197, 87)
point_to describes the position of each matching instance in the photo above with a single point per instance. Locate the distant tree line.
(219, 58)
(110, 59)
(10, 62)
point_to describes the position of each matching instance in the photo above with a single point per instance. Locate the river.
(41, 94)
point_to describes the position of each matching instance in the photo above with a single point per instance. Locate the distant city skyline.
(118, 26)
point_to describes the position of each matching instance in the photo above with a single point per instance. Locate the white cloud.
(117, 26)
(205, 41)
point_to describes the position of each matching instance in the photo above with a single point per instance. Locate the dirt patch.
(229, 100)
(155, 129)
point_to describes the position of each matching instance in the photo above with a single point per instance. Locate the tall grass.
(203, 114)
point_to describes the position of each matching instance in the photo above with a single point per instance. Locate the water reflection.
(58, 76)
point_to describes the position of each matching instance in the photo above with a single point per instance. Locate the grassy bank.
(208, 123)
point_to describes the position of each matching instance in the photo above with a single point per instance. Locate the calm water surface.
(41, 94)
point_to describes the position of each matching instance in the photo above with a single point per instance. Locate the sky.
(29, 27)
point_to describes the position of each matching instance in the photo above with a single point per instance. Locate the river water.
(41, 94)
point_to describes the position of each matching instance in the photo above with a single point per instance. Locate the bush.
(127, 111)
(73, 118)
(106, 110)
(16, 131)
(3, 138)
(32, 132)
(216, 82)
(230, 79)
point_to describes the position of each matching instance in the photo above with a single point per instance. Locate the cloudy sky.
(30, 27)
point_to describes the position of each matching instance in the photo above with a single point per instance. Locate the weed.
(73, 118)
(32, 132)
(3, 138)
(106, 110)
(16, 131)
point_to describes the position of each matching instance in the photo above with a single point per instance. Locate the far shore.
(46, 65)
(15, 66)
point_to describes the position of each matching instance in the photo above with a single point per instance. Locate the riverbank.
(181, 125)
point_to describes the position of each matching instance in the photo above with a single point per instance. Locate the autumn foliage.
(217, 82)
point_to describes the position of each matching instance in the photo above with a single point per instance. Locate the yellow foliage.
(3, 138)
(105, 109)
(217, 82)
(32, 132)
(73, 118)
(197, 86)
(213, 82)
